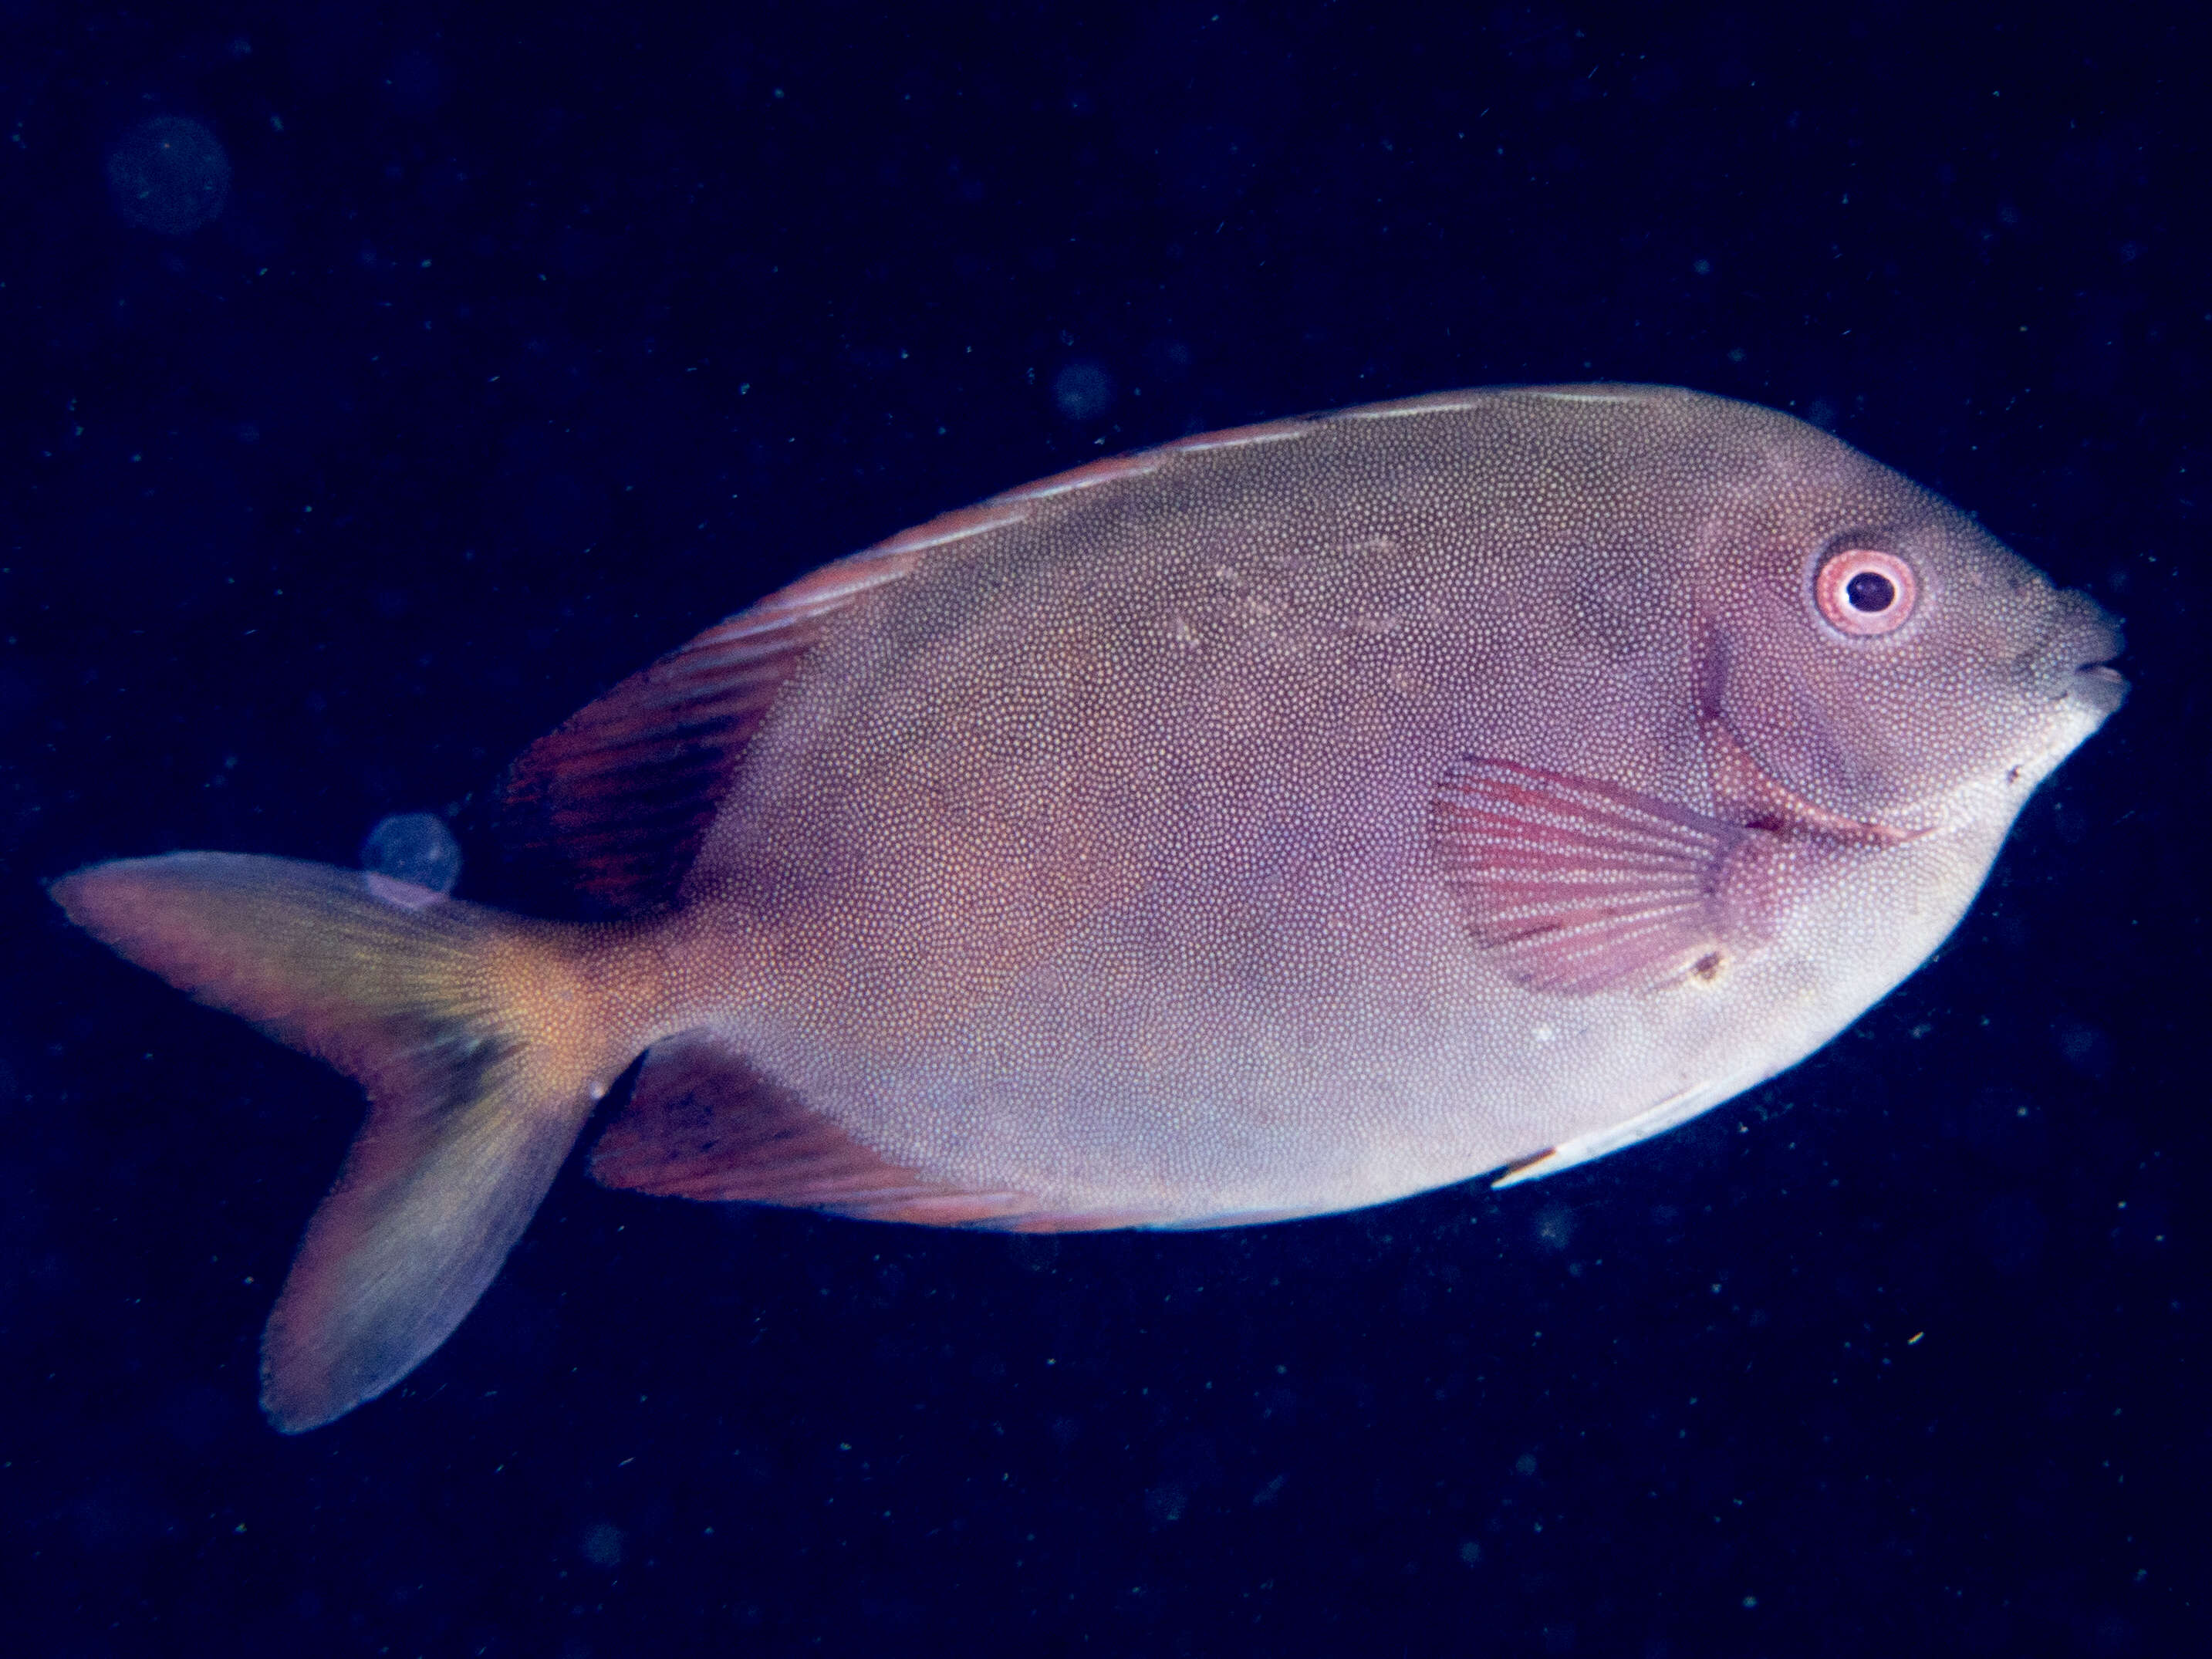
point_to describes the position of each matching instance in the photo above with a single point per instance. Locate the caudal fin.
(480, 1047)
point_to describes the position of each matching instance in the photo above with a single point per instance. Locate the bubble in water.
(411, 858)
(169, 174)
(1083, 391)
(603, 1546)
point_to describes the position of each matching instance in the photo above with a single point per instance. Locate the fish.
(1272, 822)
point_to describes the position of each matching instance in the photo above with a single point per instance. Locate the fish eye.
(1865, 592)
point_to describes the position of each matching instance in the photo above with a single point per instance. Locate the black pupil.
(1870, 592)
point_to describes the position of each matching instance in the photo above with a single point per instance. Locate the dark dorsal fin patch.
(702, 1122)
(622, 794)
(1580, 886)
(624, 791)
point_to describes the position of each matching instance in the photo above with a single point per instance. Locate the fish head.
(1875, 653)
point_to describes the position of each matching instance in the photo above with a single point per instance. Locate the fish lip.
(2083, 635)
(2097, 686)
(2094, 640)
(2074, 660)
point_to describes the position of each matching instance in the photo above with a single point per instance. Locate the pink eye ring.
(1864, 592)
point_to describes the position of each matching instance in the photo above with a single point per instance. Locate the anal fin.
(1673, 1111)
(704, 1122)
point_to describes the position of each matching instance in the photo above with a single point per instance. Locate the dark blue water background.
(431, 369)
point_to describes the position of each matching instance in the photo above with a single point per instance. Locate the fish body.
(1282, 821)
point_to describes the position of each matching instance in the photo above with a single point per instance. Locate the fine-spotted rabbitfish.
(1277, 821)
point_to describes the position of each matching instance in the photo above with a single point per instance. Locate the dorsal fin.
(624, 790)
(702, 1122)
(622, 794)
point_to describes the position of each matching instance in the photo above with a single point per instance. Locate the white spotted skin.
(1088, 860)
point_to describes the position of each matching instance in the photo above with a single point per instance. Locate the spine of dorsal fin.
(622, 794)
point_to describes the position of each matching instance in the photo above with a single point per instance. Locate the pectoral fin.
(1578, 886)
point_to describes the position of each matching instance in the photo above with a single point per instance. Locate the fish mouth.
(2083, 644)
(2098, 686)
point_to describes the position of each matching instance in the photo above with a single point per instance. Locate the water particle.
(1083, 391)
(169, 175)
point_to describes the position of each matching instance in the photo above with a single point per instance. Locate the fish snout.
(2077, 655)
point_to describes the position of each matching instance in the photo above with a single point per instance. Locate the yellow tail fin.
(477, 1036)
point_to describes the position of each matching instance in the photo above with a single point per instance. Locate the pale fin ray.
(1578, 886)
(1673, 1111)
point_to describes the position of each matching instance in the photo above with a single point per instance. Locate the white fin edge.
(1676, 1109)
(775, 614)
(1592, 397)
(1433, 403)
(1113, 469)
(923, 536)
(1271, 432)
